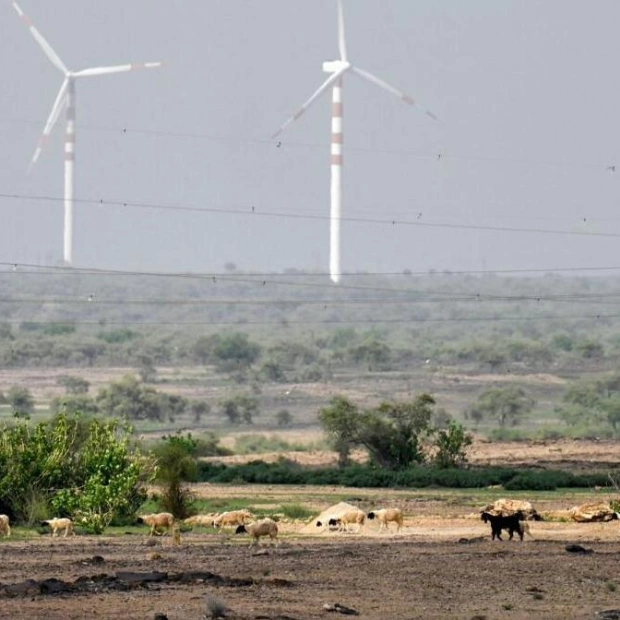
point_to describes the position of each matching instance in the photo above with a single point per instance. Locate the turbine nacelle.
(336, 66)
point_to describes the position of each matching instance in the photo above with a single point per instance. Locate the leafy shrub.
(21, 401)
(85, 470)
(208, 444)
(534, 481)
(176, 464)
(58, 329)
(117, 336)
(452, 444)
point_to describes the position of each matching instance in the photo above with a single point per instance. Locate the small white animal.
(264, 527)
(387, 515)
(232, 518)
(351, 517)
(5, 526)
(159, 520)
(56, 525)
(200, 520)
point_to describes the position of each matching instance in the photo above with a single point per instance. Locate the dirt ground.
(442, 565)
(567, 454)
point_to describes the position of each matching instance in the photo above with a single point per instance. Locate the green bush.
(368, 476)
(176, 464)
(87, 470)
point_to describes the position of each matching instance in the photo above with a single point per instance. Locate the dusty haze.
(525, 91)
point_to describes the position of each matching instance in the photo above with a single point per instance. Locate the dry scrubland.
(442, 565)
(454, 390)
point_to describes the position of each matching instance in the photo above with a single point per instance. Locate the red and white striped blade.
(116, 69)
(342, 43)
(51, 121)
(328, 82)
(40, 39)
(401, 95)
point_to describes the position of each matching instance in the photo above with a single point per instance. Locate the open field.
(573, 455)
(442, 564)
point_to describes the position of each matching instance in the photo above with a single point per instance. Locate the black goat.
(332, 523)
(511, 523)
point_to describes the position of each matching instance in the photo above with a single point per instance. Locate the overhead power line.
(420, 297)
(438, 156)
(101, 323)
(32, 268)
(254, 211)
(294, 280)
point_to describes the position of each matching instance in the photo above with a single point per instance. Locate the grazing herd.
(503, 515)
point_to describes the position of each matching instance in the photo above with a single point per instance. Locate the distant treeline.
(298, 327)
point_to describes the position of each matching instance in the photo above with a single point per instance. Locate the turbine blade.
(328, 82)
(51, 120)
(116, 69)
(401, 95)
(40, 39)
(342, 43)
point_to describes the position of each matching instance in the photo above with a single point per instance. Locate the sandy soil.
(566, 454)
(442, 565)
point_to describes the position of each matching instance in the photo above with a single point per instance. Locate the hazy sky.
(526, 93)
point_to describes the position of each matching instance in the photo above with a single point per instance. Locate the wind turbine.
(66, 98)
(337, 69)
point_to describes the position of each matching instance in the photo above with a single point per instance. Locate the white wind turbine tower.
(66, 98)
(337, 69)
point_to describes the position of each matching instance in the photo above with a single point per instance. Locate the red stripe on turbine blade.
(408, 99)
(69, 156)
(337, 138)
(336, 160)
(299, 113)
(70, 137)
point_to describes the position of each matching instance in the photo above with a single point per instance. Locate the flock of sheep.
(504, 514)
(356, 518)
(243, 520)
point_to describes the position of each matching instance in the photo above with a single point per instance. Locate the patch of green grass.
(259, 443)
(296, 511)
(127, 530)
(23, 533)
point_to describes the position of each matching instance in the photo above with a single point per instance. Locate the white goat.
(200, 520)
(264, 527)
(232, 518)
(57, 525)
(5, 527)
(387, 515)
(351, 517)
(159, 520)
